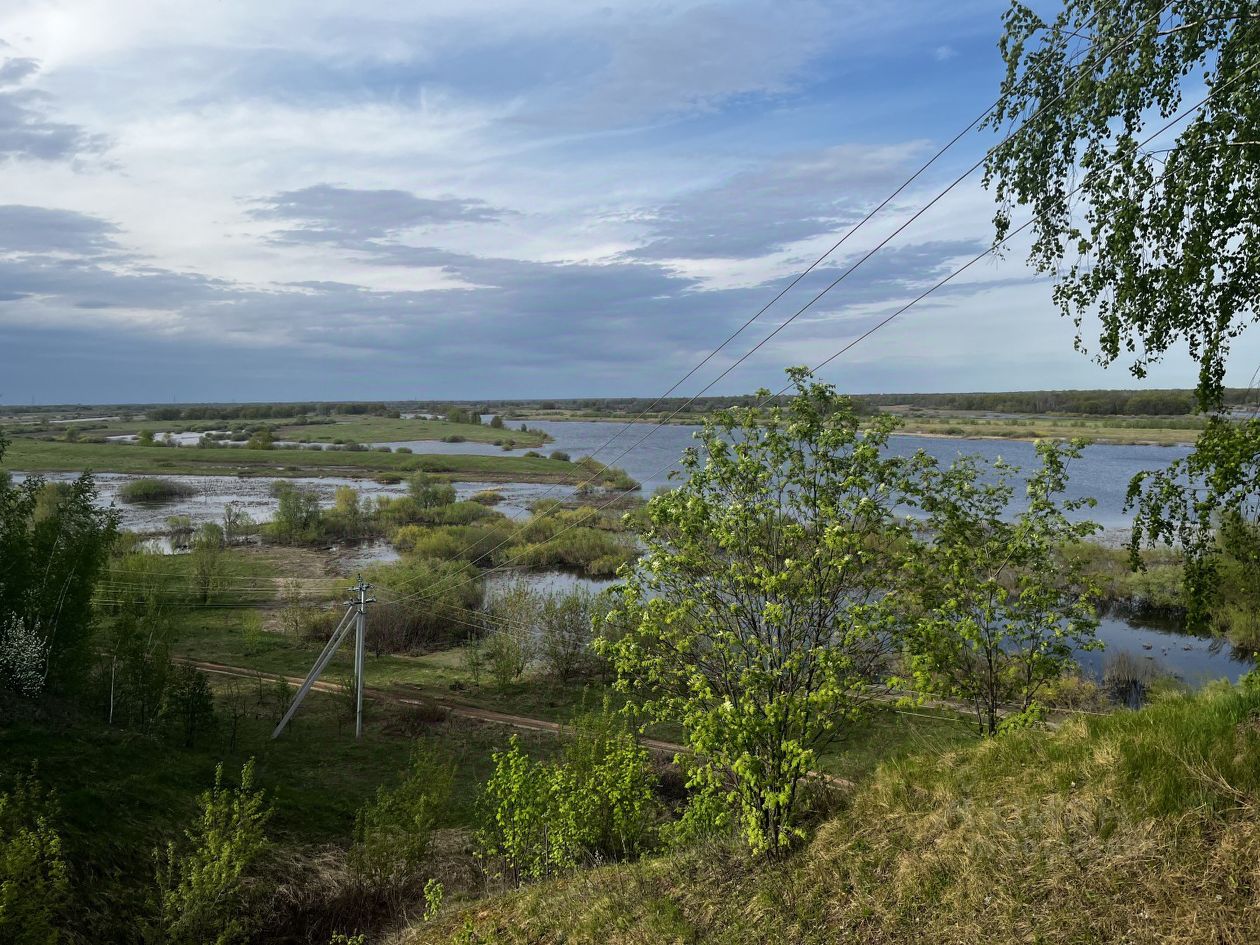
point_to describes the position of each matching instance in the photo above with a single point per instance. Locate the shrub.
(405, 623)
(428, 493)
(204, 892)
(597, 800)
(404, 449)
(560, 456)
(488, 497)
(154, 490)
(34, 878)
(566, 621)
(392, 833)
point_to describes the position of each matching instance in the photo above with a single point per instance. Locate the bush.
(155, 490)
(204, 890)
(596, 801)
(567, 632)
(34, 878)
(405, 623)
(560, 456)
(392, 833)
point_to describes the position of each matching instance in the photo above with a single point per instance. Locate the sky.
(317, 199)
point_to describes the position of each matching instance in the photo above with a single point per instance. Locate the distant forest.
(1144, 403)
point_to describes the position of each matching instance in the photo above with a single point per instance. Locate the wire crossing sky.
(296, 200)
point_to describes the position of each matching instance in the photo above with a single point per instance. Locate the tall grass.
(155, 490)
(1136, 827)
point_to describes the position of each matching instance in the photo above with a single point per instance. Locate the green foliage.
(207, 557)
(995, 608)
(1190, 207)
(565, 647)
(154, 490)
(595, 801)
(427, 492)
(188, 706)
(423, 603)
(203, 889)
(298, 515)
(53, 545)
(758, 616)
(512, 621)
(261, 440)
(34, 877)
(392, 833)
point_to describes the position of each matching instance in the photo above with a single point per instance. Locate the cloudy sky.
(229, 200)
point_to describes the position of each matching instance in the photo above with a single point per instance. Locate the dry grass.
(1136, 828)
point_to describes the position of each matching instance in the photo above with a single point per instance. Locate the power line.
(843, 276)
(890, 318)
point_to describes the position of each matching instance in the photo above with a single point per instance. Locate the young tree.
(203, 888)
(429, 493)
(1158, 246)
(510, 643)
(34, 878)
(997, 605)
(566, 620)
(53, 546)
(759, 615)
(393, 832)
(189, 705)
(595, 801)
(207, 559)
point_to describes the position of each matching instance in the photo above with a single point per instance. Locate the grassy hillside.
(1134, 827)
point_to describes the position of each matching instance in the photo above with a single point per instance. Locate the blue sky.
(308, 199)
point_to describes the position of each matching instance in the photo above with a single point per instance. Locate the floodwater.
(211, 494)
(649, 453)
(1192, 660)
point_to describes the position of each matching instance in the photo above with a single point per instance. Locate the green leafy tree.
(298, 514)
(54, 543)
(565, 646)
(510, 644)
(759, 616)
(34, 878)
(208, 560)
(1157, 246)
(428, 492)
(997, 607)
(189, 705)
(205, 885)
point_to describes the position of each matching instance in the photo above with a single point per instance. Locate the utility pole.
(360, 632)
(356, 614)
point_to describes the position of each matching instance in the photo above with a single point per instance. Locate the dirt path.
(458, 709)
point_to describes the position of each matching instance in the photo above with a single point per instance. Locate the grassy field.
(30, 455)
(352, 429)
(387, 430)
(1112, 430)
(1170, 431)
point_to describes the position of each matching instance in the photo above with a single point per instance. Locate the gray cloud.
(328, 213)
(26, 131)
(25, 229)
(766, 208)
